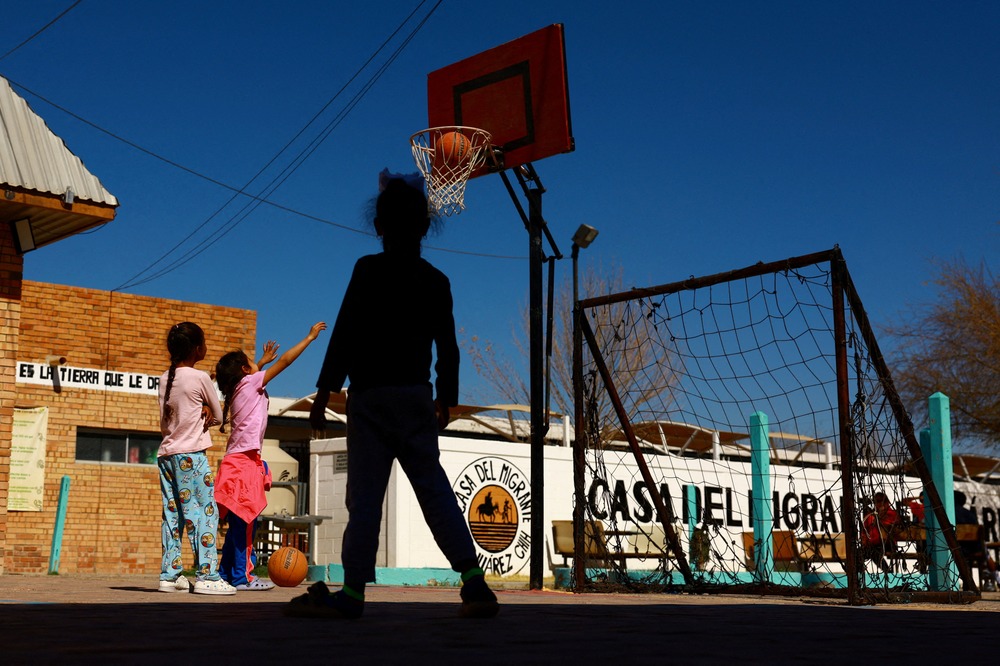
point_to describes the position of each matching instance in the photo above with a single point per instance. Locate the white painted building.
(490, 473)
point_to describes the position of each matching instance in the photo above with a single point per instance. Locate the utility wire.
(42, 29)
(232, 188)
(252, 205)
(279, 180)
(237, 191)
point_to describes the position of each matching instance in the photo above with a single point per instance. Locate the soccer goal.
(741, 432)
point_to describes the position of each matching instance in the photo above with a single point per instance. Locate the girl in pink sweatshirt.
(243, 476)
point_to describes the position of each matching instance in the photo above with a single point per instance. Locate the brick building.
(78, 375)
(93, 358)
(47, 195)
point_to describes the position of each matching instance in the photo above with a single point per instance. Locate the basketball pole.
(535, 224)
(583, 237)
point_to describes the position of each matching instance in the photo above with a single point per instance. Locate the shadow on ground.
(523, 633)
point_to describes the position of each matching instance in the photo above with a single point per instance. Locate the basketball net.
(446, 179)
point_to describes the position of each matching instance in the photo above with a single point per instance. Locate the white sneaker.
(180, 585)
(256, 585)
(213, 587)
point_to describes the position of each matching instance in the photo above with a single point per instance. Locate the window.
(117, 446)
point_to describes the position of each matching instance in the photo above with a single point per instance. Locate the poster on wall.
(27, 459)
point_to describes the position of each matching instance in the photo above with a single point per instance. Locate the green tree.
(952, 345)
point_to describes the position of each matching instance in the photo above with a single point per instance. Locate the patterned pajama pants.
(187, 484)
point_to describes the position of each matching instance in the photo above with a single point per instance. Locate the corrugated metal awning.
(42, 180)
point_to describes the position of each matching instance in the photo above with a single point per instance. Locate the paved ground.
(124, 620)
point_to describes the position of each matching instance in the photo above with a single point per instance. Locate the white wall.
(502, 468)
(406, 541)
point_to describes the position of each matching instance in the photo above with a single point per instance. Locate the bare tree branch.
(953, 346)
(632, 371)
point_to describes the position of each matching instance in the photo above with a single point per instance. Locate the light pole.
(583, 237)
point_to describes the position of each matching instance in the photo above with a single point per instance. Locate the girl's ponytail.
(182, 340)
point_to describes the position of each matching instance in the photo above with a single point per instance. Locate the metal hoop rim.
(454, 128)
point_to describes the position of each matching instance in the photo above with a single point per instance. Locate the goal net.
(740, 432)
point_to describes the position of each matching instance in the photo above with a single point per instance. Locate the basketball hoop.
(446, 171)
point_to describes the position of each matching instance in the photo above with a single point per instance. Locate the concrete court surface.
(95, 619)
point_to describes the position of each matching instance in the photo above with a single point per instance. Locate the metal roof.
(46, 188)
(34, 158)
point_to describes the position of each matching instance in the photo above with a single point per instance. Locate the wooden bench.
(792, 551)
(595, 541)
(915, 534)
(968, 535)
(785, 551)
(651, 542)
(819, 547)
(598, 542)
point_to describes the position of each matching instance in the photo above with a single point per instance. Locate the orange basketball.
(287, 566)
(451, 148)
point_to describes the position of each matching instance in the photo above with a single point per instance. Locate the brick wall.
(11, 267)
(113, 513)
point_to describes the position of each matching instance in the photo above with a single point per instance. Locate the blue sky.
(710, 136)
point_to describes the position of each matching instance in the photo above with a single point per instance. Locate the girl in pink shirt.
(243, 476)
(189, 405)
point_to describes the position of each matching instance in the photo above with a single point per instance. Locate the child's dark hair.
(182, 340)
(228, 373)
(403, 216)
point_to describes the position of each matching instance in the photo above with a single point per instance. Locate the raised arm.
(269, 353)
(289, 356)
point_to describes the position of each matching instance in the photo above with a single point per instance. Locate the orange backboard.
(517, 92)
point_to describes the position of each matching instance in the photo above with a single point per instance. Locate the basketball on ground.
(451, 148)
(287, 566)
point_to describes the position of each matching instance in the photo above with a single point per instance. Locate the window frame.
(134, 447)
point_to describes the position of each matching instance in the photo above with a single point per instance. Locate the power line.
(255, 201)
(42, 29)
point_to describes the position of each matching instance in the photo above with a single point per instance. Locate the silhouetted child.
(880, 529)
(974, 550)
(188, 407)
(396, 310)
(243, 476)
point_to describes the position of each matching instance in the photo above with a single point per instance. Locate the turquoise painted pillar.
(57, 532)
(763, 520)
(935, 443)
(691, 509)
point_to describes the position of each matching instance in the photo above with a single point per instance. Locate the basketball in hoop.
(447, 157)
(451, 149)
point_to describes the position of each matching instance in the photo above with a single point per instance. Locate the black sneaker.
(318, 602)
(478, 600)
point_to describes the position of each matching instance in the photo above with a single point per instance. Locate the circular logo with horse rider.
(493, 518)
(496, 499)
